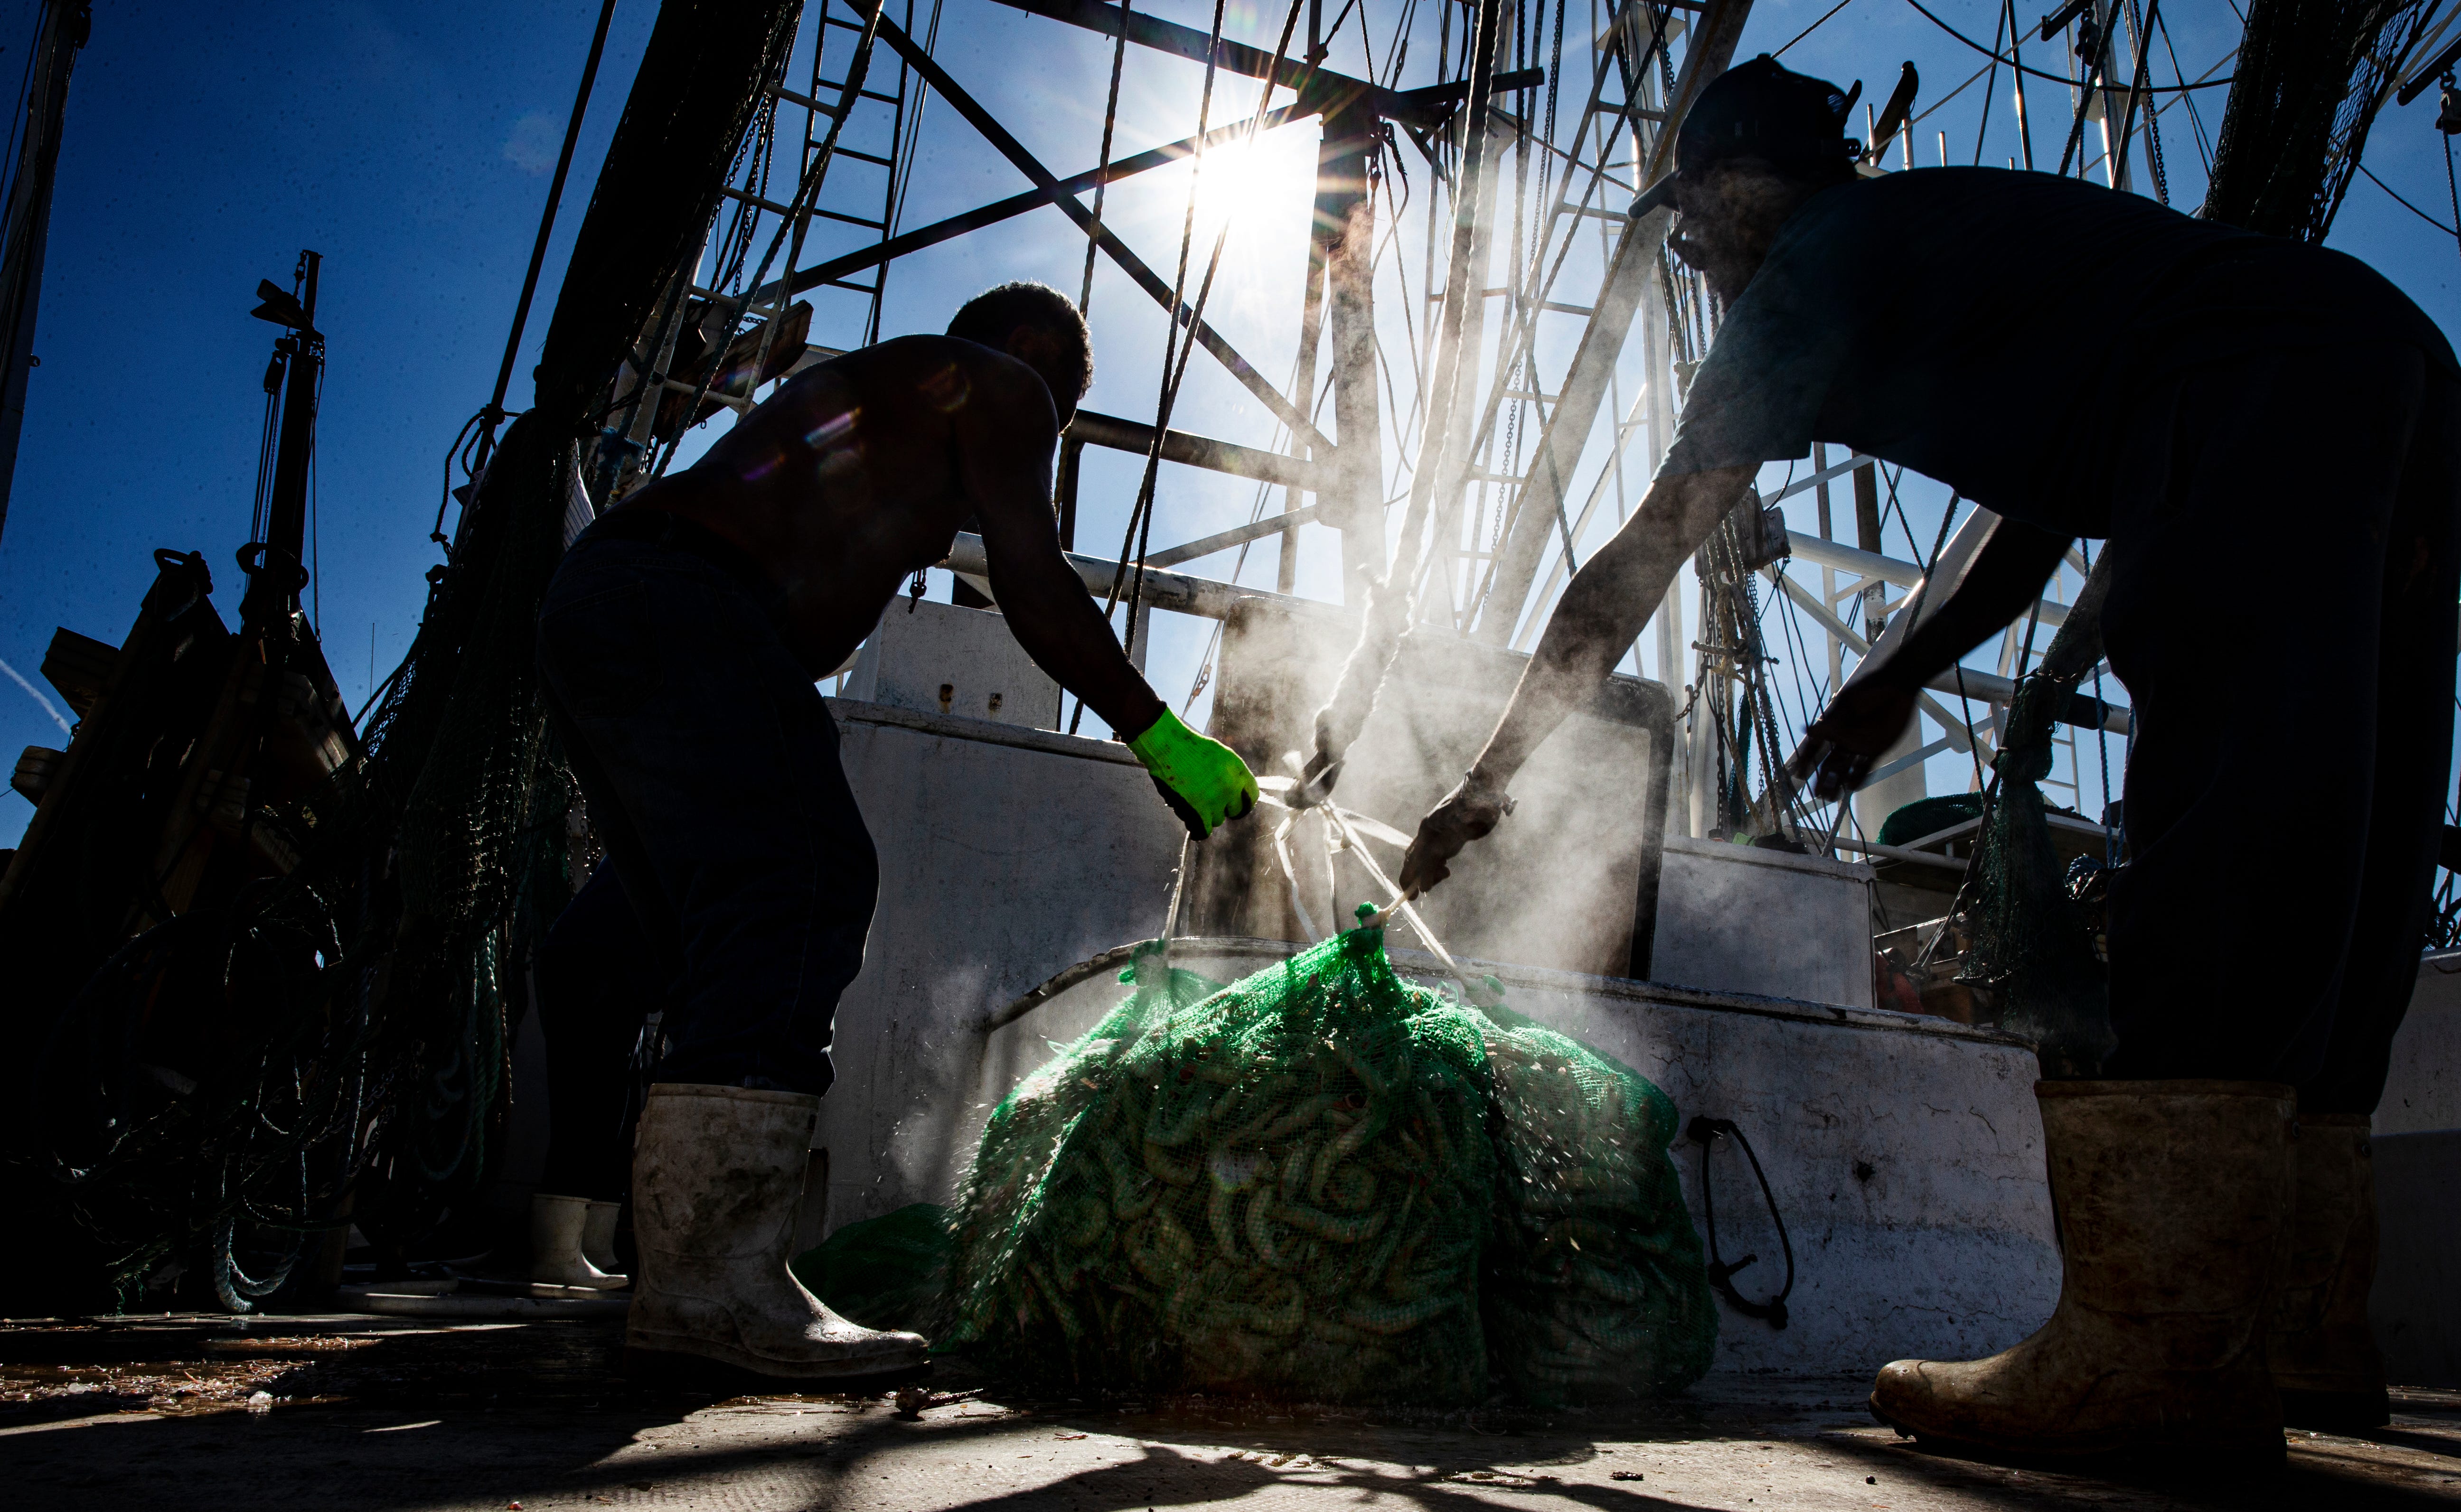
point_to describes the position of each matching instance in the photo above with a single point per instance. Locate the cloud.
(534, 142)
(36, 694)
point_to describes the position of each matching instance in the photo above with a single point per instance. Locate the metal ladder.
(751, 211)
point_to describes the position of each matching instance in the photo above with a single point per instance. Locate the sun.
(1237, 177)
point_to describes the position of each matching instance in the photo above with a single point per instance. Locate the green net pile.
(1321, 1182)
(1594, 1288)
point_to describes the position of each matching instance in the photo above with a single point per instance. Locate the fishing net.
(1279, 1187)
(1325, 1181)
(1594, 1287)
(2310, 76)
(342, 1031)
(2032, 950)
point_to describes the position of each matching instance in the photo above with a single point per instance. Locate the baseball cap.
(1759, 110)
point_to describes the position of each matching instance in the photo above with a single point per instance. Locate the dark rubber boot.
(2322, 1352)
(2172, 1198)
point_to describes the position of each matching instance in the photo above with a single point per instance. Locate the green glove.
(1203, 780)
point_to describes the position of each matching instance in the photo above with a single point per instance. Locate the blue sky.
(409, 144)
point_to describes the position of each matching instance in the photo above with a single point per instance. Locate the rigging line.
(1401, 43)
(2102, 739)
(1203, 295)
(1335, 31)
(2195, 118)
(2144, 22)
(903, 154)
(2096, 68)
(495, 410)
(1404, 30)
(1520, 339)
(742, 220)
(1141, 512)
(1240, 564)
(2405, 203)
(2017, 83)
(1400, 269)
(2180, 74)
(1062, 197)
(436, 533)
(1934, 106)
(1999, 30)
(1922, 589)
(2127, 116)
(2057, 79)
(1547, 133)
(17, 114)
(1173, 376)
(1813, 27)
(1103, 182)
(2450, 186)
(1805, 701)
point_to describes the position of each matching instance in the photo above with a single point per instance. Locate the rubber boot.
(2322, 1349)
(716, 1176)
(2172, 1199)
(598, 1239)
(556, 1256)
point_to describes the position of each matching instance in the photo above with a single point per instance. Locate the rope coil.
(1705, 1131)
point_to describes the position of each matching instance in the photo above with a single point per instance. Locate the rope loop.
(1705, 1131)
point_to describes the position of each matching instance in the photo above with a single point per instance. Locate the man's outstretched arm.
(1056, 620)
(1869, 714)
(1601, 613)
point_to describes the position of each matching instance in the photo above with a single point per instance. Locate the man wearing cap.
(2222, 408)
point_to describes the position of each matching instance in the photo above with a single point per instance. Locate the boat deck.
(388, 1413)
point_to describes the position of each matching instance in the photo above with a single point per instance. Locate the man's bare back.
(860, 472)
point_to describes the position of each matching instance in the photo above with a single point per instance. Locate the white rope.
(1290, 874)
(1355, 829)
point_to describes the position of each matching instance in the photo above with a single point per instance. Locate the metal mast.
(65, 27)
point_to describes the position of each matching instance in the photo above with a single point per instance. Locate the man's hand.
(1201, 779)
(1864, 719)
(1468, 812)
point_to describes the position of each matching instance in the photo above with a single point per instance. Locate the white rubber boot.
(598, 1241)
(556, 1256)
(716, 1175)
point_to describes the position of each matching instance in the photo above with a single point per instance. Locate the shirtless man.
(2219, 408)
(680, 643)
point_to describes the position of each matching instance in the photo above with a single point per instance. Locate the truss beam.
(1120, 435)
(1207, 598)
(992, 214)
(1303, 429)
(1420, 109)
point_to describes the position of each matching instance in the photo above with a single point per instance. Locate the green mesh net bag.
(1325, 1181)
(1594, 1287)
(1280, 1187)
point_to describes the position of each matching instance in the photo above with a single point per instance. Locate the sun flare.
(1238, 177)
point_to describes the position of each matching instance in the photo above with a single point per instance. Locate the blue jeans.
(711, 767)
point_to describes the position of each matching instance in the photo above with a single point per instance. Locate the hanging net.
(2032, 949)
(1321, 1182)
